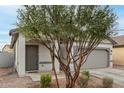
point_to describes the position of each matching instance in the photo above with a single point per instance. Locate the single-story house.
(31, 56)
(7, 49)
(118, 51)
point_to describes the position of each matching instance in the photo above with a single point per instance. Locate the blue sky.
(119, 10)
(7, 20)
(8, 17)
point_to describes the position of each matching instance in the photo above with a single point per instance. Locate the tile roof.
(119, 40)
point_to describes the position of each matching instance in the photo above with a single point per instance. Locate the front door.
(31, 57)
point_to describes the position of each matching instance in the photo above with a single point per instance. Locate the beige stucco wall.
(16, 55)
(118, 56)
(20, 55)
(45, 62)
(44, 59)
(44, 54)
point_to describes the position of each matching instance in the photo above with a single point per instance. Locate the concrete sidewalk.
(36, 76)
(116, 74)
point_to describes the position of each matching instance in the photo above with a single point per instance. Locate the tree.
(58, 27)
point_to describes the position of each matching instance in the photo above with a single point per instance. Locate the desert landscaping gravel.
(11, 80)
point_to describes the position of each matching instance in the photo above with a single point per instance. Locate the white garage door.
(99, 58)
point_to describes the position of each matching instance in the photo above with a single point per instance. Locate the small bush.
(87, 73)
(83, 81)
(107, 82)
(45, 80)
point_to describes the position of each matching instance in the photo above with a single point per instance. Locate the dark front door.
(31, 57)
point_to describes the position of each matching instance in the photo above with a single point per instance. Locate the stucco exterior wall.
(45, 62)
(118, 56)
(44, 54)
(44, 59)
(20, 55)
(16, 54)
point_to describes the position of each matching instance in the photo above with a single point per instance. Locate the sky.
(8, 18)
(119, 10)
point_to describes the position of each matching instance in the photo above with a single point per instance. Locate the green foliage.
(45, 80)
(66, 22)
(83, 81)
(107, 82)
(87, 73)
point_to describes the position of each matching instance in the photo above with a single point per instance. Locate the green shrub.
(45, 80)
(87, 73)
(83, 81)
(107, 82)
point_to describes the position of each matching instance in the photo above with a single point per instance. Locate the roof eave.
(14, 33)
(112, 41)
(116, 46)
(13, 40)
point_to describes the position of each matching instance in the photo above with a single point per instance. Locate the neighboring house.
(7, 49)
(31, 56)
(118, 51)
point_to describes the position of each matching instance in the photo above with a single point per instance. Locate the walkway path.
(116, 74)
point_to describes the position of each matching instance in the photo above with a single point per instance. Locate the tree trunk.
(53, 69)
(57, 82)
(70, 83)
(71, 80)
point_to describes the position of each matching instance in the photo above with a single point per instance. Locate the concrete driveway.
(116, 74)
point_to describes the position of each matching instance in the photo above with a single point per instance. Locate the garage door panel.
(97, 59)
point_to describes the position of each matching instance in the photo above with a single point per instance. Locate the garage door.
(97, 59)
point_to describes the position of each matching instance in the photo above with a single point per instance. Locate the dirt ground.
(11, 80)
(94, 82)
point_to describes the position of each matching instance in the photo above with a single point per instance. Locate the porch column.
(21, 56)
